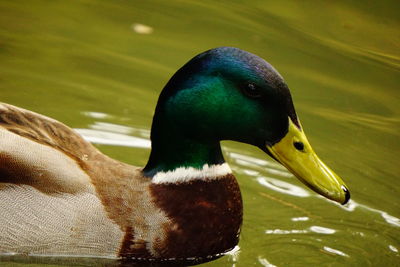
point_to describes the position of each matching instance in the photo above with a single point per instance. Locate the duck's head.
(230, 94)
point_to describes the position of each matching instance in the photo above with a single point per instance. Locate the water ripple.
(335, 251)
(247, 160)
(353, 205)
(109, 138)
(314, 229)
(264, 262)
(283, 187)
(302, 219)
(322, 230)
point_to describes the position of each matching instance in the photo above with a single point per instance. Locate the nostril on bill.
(299, 146)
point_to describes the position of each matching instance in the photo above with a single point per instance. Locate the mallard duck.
(59, 195)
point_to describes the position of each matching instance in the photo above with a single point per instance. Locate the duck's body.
(60, 196)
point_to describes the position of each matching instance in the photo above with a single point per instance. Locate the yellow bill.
(296, 154)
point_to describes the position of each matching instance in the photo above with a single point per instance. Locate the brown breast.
(207, 216)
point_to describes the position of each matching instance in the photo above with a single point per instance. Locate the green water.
(92, 66)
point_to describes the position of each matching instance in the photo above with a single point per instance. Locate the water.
(99, 66)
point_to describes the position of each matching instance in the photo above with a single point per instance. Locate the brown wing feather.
(42, 152)
(44, 130)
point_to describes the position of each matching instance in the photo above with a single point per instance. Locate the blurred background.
(99, 66)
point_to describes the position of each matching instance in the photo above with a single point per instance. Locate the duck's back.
(47, 198)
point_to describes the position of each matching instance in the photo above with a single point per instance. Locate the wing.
(41, 152)
(48, 202)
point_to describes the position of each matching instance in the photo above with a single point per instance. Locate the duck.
(60, 196)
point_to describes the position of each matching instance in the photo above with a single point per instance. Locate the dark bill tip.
(346, 195)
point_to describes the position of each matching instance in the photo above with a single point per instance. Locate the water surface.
(98, 66)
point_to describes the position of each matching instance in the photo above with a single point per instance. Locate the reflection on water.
(393, 248)
(283, 187)
(234, 254)
(104, 133)
(352, 205)
(297, 219)
(335, 251)
(322, 230)
(264, 262)
(141, 28)
(110, 59)
(314, 229)
(96, 115)
(116, 139)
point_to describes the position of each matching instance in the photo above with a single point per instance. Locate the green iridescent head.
(227, 94)
(223, 94)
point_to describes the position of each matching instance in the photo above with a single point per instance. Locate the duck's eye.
(251, 90)
(299, 146)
